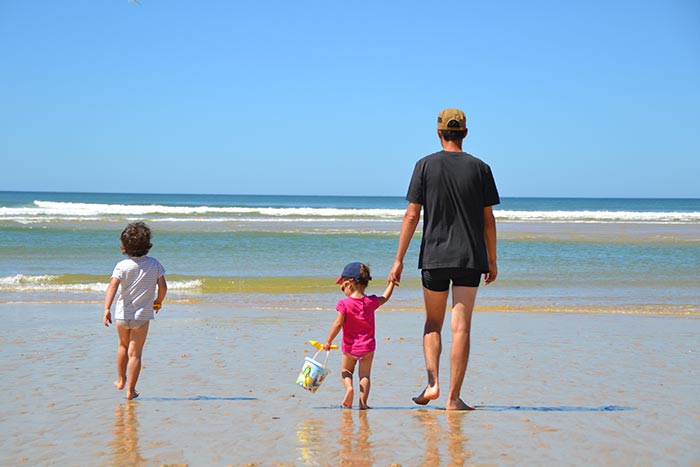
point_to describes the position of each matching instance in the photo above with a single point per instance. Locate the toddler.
(356, 318)
(137, 277)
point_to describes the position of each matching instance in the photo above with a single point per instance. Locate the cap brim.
(340, 279)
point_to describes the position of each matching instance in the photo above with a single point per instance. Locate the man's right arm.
(408, 227)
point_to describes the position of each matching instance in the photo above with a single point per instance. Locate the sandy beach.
(218, 388)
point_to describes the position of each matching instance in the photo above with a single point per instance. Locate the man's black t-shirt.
(453, 188)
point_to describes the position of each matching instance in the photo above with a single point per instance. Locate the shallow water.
(218, 388)
(556, 253)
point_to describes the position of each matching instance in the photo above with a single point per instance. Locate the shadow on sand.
(503, 408)
(559, 408)
(196, 398)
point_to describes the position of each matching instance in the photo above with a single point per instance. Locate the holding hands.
(395, 273)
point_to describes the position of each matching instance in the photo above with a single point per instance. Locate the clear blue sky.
(563, 98)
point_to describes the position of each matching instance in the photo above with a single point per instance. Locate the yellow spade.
(319, 346)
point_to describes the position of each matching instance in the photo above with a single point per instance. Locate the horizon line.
(344, 196)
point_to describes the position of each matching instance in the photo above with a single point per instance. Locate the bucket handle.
(325, 363)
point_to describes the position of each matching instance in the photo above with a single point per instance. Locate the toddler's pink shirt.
(358, 327)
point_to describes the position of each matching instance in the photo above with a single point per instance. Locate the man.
(456, 192)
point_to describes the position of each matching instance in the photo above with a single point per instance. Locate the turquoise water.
(621, 254)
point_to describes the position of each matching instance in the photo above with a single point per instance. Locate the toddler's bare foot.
(132, 395)
(364, 406)
(430, 393)
(120, 383)
(458, 405)
(347, 400)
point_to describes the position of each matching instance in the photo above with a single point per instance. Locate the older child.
(356, 318)
(138, 276)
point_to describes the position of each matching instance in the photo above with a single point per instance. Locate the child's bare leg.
(138, 339)
(347, 370)
(122, 356)
(363, 374)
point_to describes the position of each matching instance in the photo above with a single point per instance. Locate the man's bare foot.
(458, 405)
(120, 383)
(347, 400)
(132, 395)
(428, 394)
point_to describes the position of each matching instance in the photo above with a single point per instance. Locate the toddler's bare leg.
(136, 343)
(363, 374)
(347, 370)
(122, 356)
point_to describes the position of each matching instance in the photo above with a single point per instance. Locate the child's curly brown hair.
(136, 239)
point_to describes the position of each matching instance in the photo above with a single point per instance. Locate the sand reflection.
(435, 437)
(355, 445)
(310, 440)
(348, 446)
(125, 444)
(457, 440)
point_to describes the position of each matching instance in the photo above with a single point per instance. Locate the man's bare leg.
(463, 299)
(137, 340)
(435, 307)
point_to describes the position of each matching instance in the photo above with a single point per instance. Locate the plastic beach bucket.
(312, 373)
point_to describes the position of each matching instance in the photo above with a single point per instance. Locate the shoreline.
(603, 232)
(643, 233)
(691, 311)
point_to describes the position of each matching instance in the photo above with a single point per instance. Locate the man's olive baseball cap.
(452, 115)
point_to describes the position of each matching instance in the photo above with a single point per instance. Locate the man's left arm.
(490, 239)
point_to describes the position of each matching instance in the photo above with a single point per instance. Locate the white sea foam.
(50, 211)
(599, 216)
(24, 279)
(185, 285)
(50, 283)
(87, 209)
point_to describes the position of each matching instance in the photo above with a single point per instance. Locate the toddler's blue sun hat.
(351, 271)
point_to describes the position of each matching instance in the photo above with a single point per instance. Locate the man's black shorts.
(438, 280)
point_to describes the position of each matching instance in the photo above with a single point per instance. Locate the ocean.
(555, 254)
(584, 351)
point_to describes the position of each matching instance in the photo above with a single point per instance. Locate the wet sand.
(217, 388)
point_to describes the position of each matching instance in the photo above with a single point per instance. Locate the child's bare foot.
(120, 383)
(458, 405)
(428, 394)
(364, 406)
(347, 400)
(132, 395)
